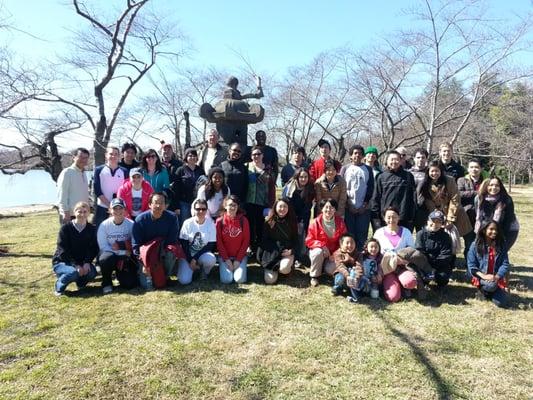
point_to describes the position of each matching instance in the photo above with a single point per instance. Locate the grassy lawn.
(250, 341)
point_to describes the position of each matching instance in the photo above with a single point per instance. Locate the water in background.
(33, 187)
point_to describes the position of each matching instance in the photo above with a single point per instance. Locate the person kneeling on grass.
(76, 249)
(488, 263)
(114, 240)
(198, 237)
(345, 260)
(233, 239)
(323, 239)
(280, 239)
(432, 258)
(154, 242)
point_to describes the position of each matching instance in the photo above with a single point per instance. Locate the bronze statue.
(232, 114)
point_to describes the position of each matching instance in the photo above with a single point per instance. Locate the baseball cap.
(116, 202)
(437, 214)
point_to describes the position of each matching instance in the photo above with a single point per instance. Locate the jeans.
(206, 262)
(238, 275)
(185, 212)
(492, 291)
(357, 225)
(67, 274)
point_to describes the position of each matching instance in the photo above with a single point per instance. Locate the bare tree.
(311, 103)
(436, 75)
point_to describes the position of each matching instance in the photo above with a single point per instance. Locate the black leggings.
(126, 275)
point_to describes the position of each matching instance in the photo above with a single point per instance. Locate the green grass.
(251, 341)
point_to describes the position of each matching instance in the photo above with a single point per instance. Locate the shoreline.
(26, 209)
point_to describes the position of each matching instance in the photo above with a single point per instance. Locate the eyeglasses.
(200, 209)
(256, 154)
(151, 156)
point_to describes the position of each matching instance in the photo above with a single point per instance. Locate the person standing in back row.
(451, 167)
(72, 185)
(394, 187)
(107, 180)
(317, 168)
(212, 153)
(270, 154)
(360, 187)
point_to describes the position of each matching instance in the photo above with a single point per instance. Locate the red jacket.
(233, 236)
(316, 235)
(316, 170)
(125, 193)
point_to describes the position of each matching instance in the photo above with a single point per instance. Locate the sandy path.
(31, 208)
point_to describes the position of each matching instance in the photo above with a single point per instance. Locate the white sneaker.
(107, 289)
(58, 294)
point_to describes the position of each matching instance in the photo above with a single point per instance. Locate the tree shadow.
(29, 255)
(444, 389)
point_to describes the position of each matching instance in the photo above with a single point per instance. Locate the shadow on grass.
(444, 390)
(29, 255)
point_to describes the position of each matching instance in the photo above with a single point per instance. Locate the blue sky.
(273, 35)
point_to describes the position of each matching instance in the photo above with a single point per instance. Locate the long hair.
(273, 217)
(144, 164)
(308, 191)
(481, 242)
(441, 181)
(210, 190)
(483, 190)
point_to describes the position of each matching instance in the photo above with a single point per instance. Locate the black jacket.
(437, 247)
(396, 189)
(275, 239)
(182, 184)
(454, 169)
(236, 177)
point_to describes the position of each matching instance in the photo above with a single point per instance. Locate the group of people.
(164, 218)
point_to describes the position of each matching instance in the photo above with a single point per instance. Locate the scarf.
(497, 215)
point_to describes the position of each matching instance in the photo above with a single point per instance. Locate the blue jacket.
(146, 229)
(479, 262)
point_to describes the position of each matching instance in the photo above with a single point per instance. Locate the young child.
(345, 258)
(432, 257)
(366, 275)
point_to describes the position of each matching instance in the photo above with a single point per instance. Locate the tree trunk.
(99, 142)
(187, 130)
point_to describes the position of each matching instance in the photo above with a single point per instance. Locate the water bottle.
(374, 291)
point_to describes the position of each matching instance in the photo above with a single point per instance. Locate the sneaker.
(58, 294)
(107, 289)
(314, 282)
(336, 290)
(352, 299)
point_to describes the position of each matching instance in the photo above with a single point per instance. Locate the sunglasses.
(200, 209)
(151, 156)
